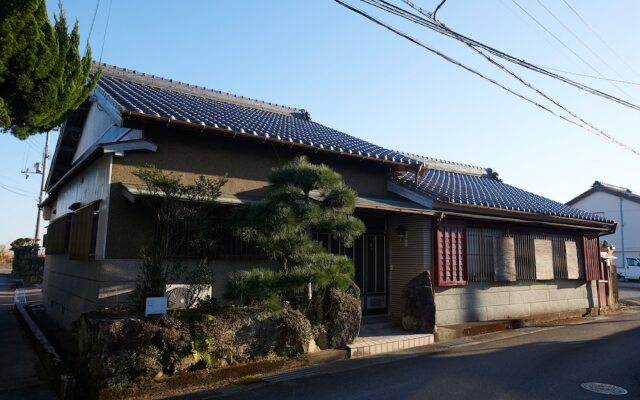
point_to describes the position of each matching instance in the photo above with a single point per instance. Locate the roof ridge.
(449, 166)
(613, 187)
(113, 71)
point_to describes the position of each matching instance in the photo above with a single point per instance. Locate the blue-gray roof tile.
(487, 191)
(159, 97)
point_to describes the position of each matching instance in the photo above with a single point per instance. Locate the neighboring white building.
(619, 204)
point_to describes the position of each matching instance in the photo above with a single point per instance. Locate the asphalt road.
(549, 363)
(628, 289)
(22, 375)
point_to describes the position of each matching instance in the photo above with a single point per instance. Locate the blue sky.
(357, 77)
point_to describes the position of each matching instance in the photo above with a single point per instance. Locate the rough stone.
(343, 324)
(419, 313)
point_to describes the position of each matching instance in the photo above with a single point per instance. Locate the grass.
(196, 381)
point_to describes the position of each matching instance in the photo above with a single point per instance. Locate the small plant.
(184, 229)
(201, 349)
(5, 255)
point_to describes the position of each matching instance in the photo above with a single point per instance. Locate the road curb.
(62, 380)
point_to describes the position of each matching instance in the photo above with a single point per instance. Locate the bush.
(5, 255)
(26, 263)
(296, 331)
(144, 363)
(124, 351)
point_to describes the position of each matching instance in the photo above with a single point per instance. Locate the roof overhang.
(132, 192)
(490, 214)
(116, 148)
(131, 117)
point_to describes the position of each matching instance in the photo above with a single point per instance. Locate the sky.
(359, 78)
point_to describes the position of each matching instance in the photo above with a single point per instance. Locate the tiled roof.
(488, 191)
(444, 181)
(158, 97)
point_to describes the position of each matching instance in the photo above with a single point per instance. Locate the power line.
(93, 20)
(595, 33)
(395, 10)
(15, 192)
(106, 26)
(586, 46)
(594, 129)
(563, 43)
(453, 61)
(591, 76)
(437, 27)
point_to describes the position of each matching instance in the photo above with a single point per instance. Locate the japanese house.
(495, 251)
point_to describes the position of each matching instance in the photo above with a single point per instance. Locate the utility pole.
(45, 156)
(40, 168)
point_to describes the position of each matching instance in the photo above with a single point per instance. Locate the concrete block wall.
(486, 301)
(73, 287)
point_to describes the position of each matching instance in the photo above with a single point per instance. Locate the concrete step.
(370, 345)
(370, 325)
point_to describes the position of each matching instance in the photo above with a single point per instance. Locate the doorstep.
(371, 345)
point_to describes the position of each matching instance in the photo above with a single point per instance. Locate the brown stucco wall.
(246, 164)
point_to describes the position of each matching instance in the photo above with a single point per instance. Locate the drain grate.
(604, 388)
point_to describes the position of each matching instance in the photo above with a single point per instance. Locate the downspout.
(624, 260)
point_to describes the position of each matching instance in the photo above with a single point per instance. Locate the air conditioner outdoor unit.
(179, 296)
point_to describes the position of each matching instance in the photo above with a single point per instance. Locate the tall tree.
(43, 78)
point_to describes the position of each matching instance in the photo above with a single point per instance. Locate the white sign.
(155, 306)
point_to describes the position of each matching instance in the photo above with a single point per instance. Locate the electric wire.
(15, 192)
(599, 132)
(106, 27)
(587, 47)
(591, 76)
(453, 61)
(93, 20)
(465, 39)
(595, 33)
(438, 8)
(583, 124)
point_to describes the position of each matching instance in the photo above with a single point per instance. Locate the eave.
(131, 117)
(117, 148)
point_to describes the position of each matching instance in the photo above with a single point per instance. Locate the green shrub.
(144, 362)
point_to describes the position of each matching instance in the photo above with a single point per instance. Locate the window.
(482, 253)
(56, 240)
(84, 232)
(451, 254)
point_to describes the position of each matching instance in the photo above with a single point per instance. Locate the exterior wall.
(72, 287)
(608, 205)
(246, 164)
(485, 301)
(407, 259)
(69, 287)
(90, 185)
(96, 124)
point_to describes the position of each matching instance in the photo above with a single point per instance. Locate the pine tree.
(43, 78)
(303, 198)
